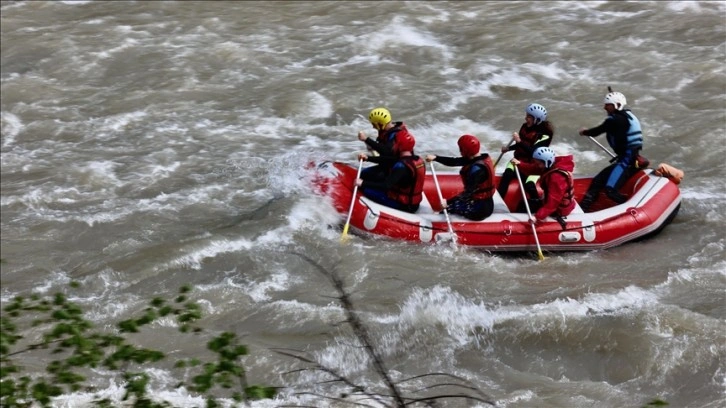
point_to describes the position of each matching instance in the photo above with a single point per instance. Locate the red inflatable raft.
(653, 201)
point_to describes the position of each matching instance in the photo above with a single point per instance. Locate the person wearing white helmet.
(558, 198)
(387, 129)
(536, 131)
(623, 131)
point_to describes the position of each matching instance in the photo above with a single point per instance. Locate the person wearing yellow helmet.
(388, 131)
(402, 187)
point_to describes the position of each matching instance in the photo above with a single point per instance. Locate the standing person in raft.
(625, 137)
(477, 174)
(382, 121)
(402, 188)
(556, 182)
(536, 131)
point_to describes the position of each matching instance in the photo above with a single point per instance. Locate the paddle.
(511, 143)
(529, 214)
(602, 147)
(441, 199)
(344, 236)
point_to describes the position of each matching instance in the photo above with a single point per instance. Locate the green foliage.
(73, 345)
(656, 403)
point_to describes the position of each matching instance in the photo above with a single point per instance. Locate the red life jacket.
(411, 195)
(387, 137)
(528, 136)
(486, 188)
(569, 195)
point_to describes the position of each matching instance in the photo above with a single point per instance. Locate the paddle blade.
(540, 255)
(344, 236)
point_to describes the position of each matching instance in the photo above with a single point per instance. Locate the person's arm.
(452, 161)
(398, 172)
(381, 148)
(384, 160)
(556, 190)
(604, 127)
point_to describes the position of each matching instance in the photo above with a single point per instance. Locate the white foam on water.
(701, 194)
(318, 105)
(125, 44)
(194, 257)
(11, 126)
(98, 173)
(299, 314)
(549, 71)
(115, 392)
(314, 214)
(111, 126)
(461, 317)
(441, 306)
(400, 34)
(276, 281)
(514, 77)
(441, 137)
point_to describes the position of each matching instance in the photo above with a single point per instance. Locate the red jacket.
(558, 189)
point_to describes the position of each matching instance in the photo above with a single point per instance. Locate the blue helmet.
(538, 112)
(545, 154)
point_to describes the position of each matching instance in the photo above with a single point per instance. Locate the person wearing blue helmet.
(536, 131)
(557, 184)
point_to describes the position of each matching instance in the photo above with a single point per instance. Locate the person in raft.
(556, 182)
(402, 188)
(387, 129)
(477, 175)
(625, 137)
(536, 131)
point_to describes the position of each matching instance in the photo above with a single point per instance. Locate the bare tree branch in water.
(360, 331)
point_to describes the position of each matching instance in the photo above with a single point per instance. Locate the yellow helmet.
(379, 117)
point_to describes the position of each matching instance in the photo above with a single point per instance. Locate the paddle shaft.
(441, 199)
(511, 143)
(352, 200)
(602, 147)
(529, 214)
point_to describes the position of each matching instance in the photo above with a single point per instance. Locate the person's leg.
(475, 210)
(455, 205)
(373, 173)
(533, 198)
(506, 179)
(620, 173)
(596, 185)
(381, 197)
(622, 170)
(614, 192)
(481, 209)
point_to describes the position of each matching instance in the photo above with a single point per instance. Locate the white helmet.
(615, 98)
(538, 112)
(545, 154)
